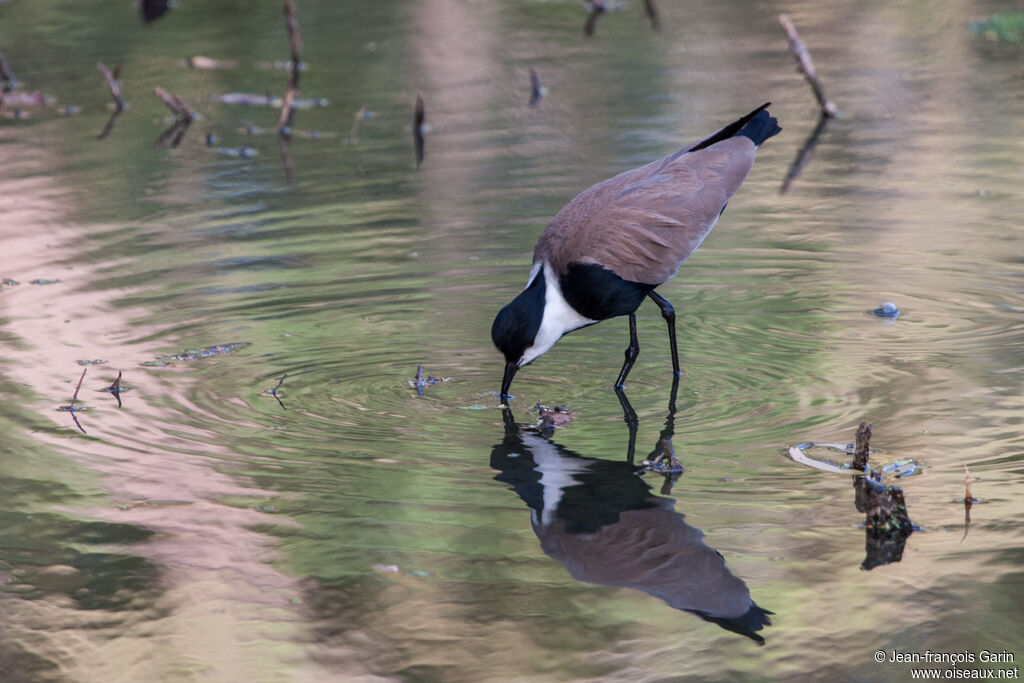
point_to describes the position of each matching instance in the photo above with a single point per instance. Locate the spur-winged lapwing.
(608, 248)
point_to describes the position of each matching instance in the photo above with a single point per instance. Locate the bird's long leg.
(632, 422)
(632, 351)
(669, 314)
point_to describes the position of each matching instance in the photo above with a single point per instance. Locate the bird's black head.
(515, 328)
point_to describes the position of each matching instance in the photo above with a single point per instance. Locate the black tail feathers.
(758, 125)
(760, 128)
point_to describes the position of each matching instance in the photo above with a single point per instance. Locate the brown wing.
(644, 223)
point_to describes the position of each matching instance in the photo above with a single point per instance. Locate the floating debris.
(116, 389)
(153, 504)
(36, 99)
(8, 282)
(537, 90)
(245, 152)
(418, 118)
(550, 419)
(663, 460)
(41, 281)
(652, 14)
(206, 352)
(887, 310)
(201, 62)
(281, 66)
(421, 382)
(98, 361)
(275, 393)
(70, 408)
(386, 568)
(269, 100)
(7, 80)
(154, 364)
(69, 110)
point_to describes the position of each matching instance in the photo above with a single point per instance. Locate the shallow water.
(349, 529)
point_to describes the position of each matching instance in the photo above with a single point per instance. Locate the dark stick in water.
(7, 76)
(295, 42)
(419, 115)
(806, 66)
(803, 157)
(652, 13)
(115, 389)
(113, 83)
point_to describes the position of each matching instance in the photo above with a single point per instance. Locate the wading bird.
(608, 248)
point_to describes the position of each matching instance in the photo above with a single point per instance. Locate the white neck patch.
(559, 316)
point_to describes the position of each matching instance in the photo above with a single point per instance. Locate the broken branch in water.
(173, 101)
(273, 392)
(595, 9)
(112, 83)
(359, 116)
(652, 13)
(115, 389)
(418, 117)
(862, 446)
(422, 381)
(536, 88)
(295, 43)
(7, 76)
(74, 397)
(184, 115)
(806, 66)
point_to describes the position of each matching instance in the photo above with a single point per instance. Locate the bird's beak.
(506, 381)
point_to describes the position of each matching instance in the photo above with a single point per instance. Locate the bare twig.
(74, 397)
(173, 101)
(295, 42)
(806, 66)
(273, 392)
(652, 13)
(112, 83)
(115, 389)
(7, 76)
(359, 116)
(536, 88)
(418, 117)
(595, 8)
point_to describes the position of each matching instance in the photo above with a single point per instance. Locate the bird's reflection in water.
(602, 521)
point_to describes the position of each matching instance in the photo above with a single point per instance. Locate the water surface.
(353, 530)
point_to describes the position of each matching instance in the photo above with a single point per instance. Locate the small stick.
(115, 389)
(419, 115)
(113, 84)
(536, 88)
(295, 42)
(652, 13)
(969, 500)
(7, 76)
(806, 66)
(74, 397)
(173, 101)
(596, 8)
(273, 392)
(359, 116)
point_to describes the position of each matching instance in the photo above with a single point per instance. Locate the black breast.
(599, 294)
